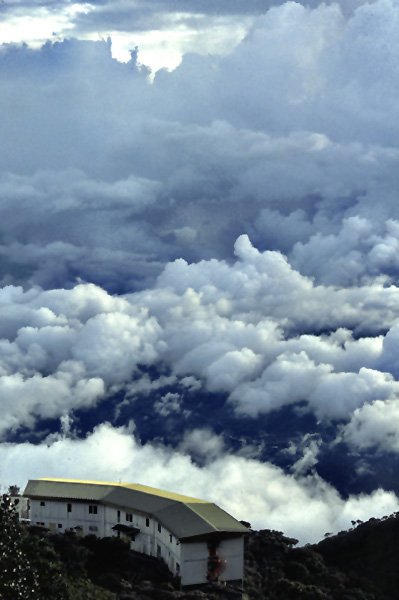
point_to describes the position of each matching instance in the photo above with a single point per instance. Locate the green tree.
(18, 580)
(46, 563)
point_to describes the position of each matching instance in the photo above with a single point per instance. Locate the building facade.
(197, 540)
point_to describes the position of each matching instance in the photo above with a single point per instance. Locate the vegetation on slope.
(276, 570)
(370, 549)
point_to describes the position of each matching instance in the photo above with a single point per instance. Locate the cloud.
(232, 326)
(374, 426)
(202, 444)
(258, 492)
(231, 226)
(254, 330)
(305, 164)
(59, 19)
(310, 448)
(66, 349)
(23, 399)
(168, 404)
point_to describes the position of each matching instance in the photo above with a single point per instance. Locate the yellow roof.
(132, 486)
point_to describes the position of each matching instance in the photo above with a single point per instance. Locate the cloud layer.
(256, 330)
(230, 227)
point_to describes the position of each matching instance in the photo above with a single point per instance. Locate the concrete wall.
(232, 551)
(194, 557)
(54, 515)
(194, 567)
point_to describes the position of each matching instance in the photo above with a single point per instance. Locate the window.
(159, 553)
(159, 527)
(170, 538)
(177, 568)
(69, 507)
(42, 503)
(93, 528)
(129, 517)
(147, 522)
(93, 509)
(119, 515)
(59, 525)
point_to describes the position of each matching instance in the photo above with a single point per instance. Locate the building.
(198, 541)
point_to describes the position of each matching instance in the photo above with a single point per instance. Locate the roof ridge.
(138, 487)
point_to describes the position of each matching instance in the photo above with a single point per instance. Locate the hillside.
(370, 549)
(276, 570)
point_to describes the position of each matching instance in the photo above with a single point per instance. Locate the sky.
(199, 266)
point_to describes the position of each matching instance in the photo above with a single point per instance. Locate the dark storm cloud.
(124, 15)
(156, 7)
(141, 15)
(284, 141)
(185, 174)
(16, 5)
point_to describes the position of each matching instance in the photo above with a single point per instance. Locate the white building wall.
(194, 557)
(150, 540)
(54, 514)
(232, 551)
(194, 567)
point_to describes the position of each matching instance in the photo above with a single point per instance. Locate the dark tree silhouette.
(14, 490)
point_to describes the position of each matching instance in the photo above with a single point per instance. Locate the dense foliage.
(38, 565)
(276, 570)
(370, 549)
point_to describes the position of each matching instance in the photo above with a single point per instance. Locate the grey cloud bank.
(235, 223)
(290, 138)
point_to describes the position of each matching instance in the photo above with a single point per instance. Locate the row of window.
(43, 524)
(93, 510)
(129, 519)
(59, 525)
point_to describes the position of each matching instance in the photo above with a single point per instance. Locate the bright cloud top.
(250, 330)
